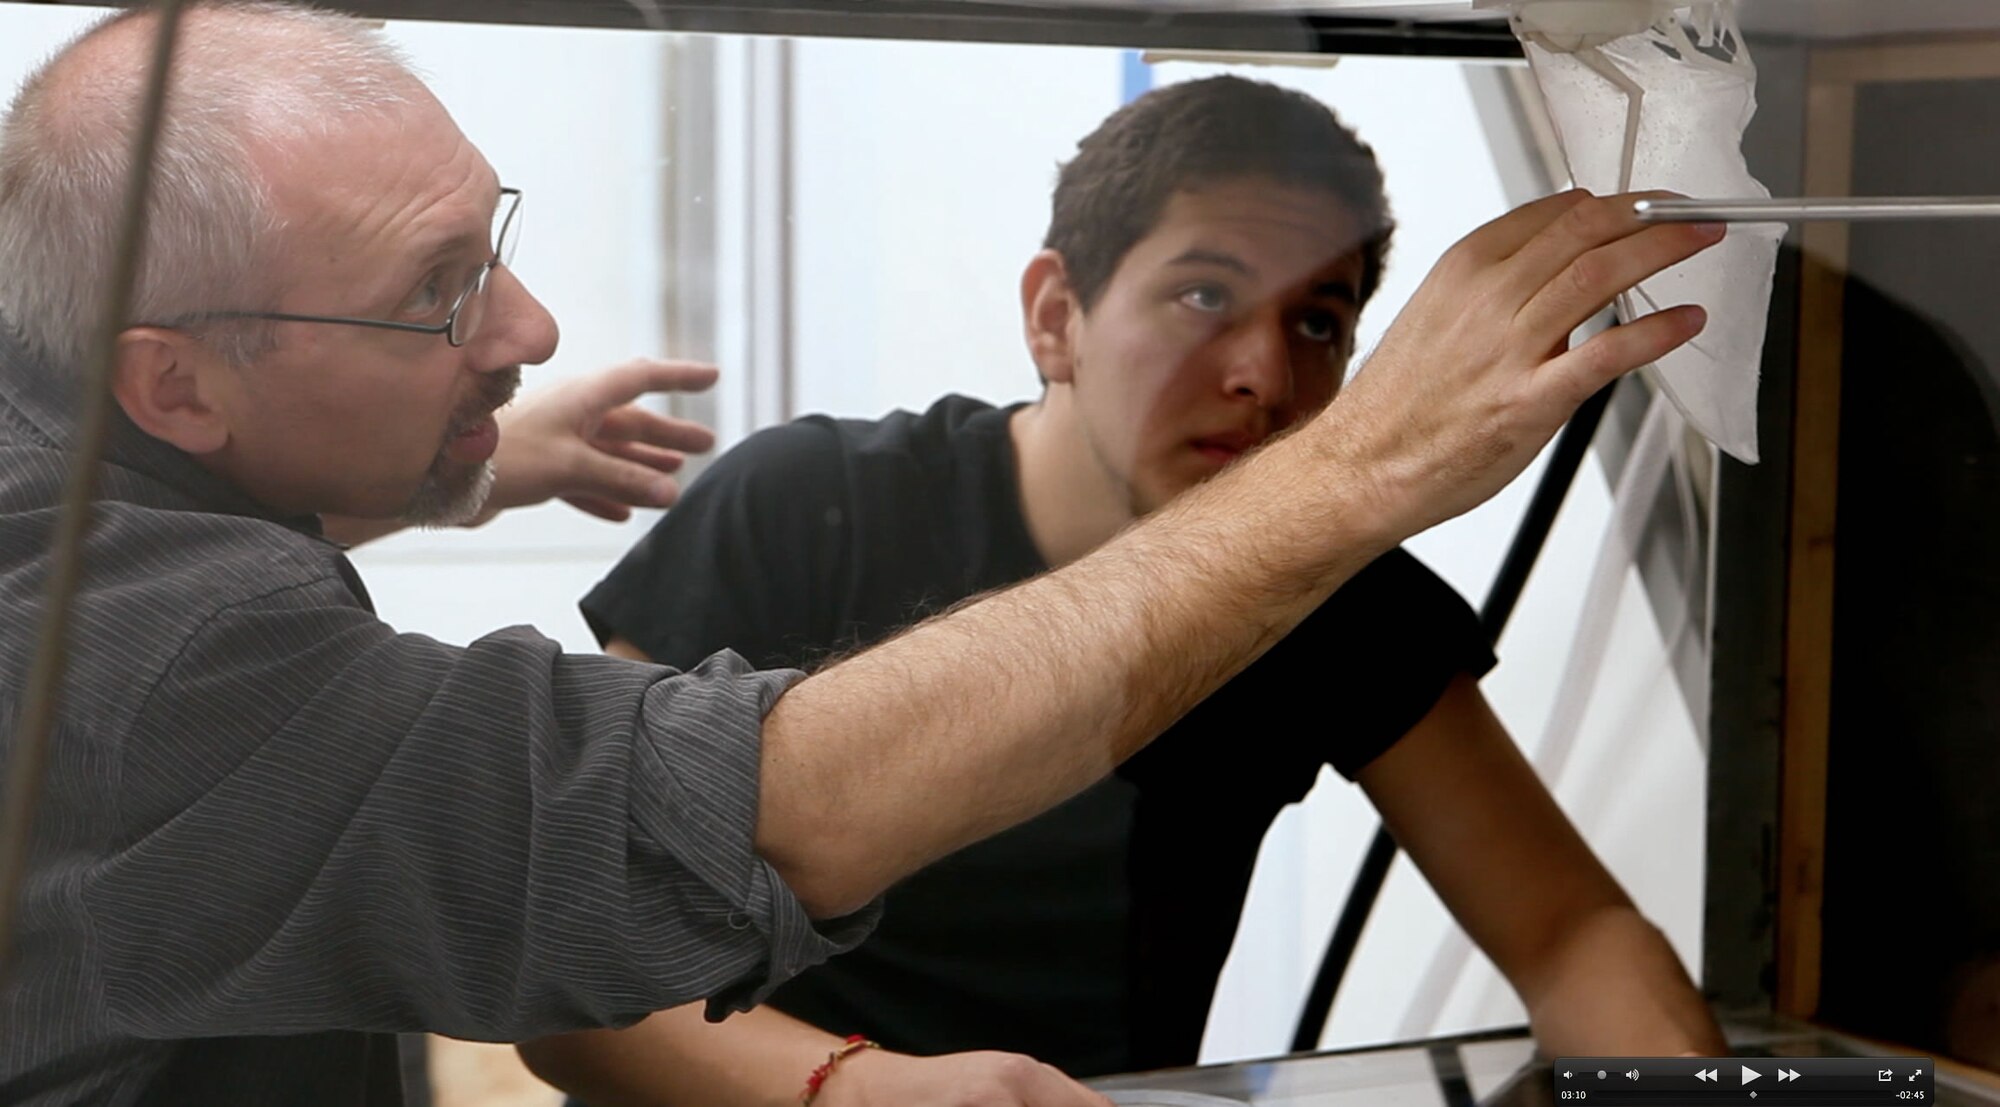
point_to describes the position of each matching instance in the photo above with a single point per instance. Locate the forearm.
(984, 717)
(1595, 975)
(674, 1058)
(1614, 987)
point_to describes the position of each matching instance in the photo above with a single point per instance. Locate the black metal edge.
(1355, 910)
(1752, 529)
(974, 21)
(1449, 1070)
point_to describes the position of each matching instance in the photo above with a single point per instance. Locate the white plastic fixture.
(1656, 94)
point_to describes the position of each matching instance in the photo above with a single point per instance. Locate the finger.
(652, 457)
(625, 482)
(625, 382)
(633, 423)
(1592, 281)
(1578, 374)
(602, 508)
(1585, 226)
(1503, 237)
(1047, 1086)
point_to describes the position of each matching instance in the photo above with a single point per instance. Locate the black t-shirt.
(1091, 937)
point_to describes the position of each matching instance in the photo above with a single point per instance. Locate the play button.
(1750, 1074)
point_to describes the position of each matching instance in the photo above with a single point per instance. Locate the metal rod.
(1855, 209)
(1530, 538)
(44, 687)
(1346, 938)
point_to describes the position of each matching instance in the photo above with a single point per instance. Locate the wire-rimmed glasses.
(467, 311)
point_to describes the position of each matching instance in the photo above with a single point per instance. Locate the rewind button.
(1706, 1074)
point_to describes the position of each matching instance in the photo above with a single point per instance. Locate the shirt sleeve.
(754, 558)
(329, 825)
(1385, 647)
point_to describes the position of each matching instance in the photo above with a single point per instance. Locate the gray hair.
(248, 76)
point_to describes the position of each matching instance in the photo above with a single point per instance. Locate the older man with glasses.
(275, 832)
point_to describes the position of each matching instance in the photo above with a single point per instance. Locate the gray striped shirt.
(276, 832)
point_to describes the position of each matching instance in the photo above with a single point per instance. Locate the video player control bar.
(1898, 1081)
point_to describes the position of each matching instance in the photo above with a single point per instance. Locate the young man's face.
(1231, 320)
(386, 219)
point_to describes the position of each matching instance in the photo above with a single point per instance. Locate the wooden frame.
(1835, 74)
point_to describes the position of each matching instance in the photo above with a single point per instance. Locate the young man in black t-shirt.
(1210, 250)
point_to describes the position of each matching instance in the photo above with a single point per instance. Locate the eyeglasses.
(467, 311)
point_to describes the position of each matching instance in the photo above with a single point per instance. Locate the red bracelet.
(855, 1043)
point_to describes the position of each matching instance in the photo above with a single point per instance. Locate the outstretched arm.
(588, 441)
(1596, 977)
(983, 718)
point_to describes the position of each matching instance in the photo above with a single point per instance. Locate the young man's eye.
(1206, 298)
(1319, 326)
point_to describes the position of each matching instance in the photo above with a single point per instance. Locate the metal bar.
(1449, 1069)
(1346, 937)
(44, 686)
(1529, 540)
(1099, 23)
(1853, 209)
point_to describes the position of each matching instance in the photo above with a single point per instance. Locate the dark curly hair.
(1182, 136)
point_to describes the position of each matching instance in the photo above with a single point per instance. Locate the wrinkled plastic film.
(1657, 94)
